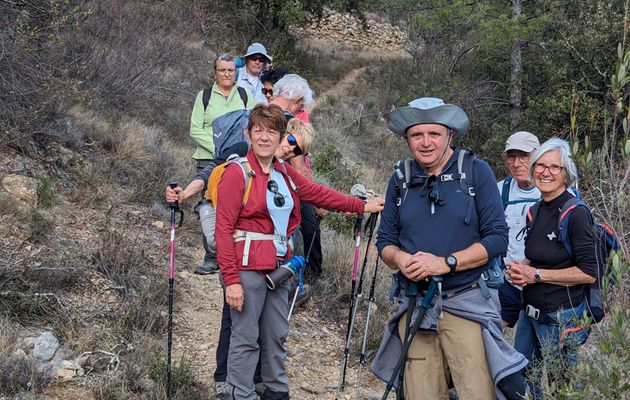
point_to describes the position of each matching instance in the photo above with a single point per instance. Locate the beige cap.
(523, 141)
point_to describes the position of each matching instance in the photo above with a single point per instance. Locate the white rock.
(22, 187)
(45, 346)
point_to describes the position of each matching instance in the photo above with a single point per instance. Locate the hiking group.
(448, 230)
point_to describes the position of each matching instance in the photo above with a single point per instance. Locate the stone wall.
(349, 30)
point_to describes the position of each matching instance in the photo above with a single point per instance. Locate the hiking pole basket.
(432, 290)
(356, 290)
(171, 279)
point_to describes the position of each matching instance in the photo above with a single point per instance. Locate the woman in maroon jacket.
(252, 241)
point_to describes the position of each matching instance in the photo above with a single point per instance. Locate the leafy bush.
(46, 192)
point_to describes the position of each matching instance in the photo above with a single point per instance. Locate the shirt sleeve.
(492, 226)
(389, 228)
(583, 241)
(205, 173)
(322, 196)
(202, 135)
(230, 203)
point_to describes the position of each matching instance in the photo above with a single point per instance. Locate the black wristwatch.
(451, 261)
(537, 276)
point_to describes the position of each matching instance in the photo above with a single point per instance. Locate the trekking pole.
(434, 288)
(356, 292)
(367, 324)
(308, 254)
(171, 280)
(355, 266)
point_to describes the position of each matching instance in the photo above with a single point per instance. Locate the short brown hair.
(268, 116)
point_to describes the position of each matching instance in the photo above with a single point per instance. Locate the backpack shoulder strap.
(247, 170)
(465, 160)
(402, 171)
(563, 222)
(243, 93)
(505, 191)
(207, 92)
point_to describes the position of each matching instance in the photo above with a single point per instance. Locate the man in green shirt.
(224, 96)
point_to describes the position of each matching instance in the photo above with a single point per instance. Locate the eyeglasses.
(261, 59)
(512, 157)
(224, 70)
(267, 91)
(553, 168)
(278, 199)
(293, 142)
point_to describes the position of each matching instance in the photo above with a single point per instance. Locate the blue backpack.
(228, 129)
(228, 133)
(606, 242)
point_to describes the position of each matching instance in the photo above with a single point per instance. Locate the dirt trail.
(315, 346)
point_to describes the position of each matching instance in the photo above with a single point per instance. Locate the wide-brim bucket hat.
(257, 48)
(429, 110)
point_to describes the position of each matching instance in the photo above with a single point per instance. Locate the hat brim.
(520, 147)
(448, 115)
(268, 57)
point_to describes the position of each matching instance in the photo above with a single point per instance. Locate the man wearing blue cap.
(256, 60)
(443, 218)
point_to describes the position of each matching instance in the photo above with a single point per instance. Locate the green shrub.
(46, 192)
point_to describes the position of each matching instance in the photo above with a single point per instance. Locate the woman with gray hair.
(555, 282)
(292, 93)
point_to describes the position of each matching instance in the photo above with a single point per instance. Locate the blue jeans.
(554, 344)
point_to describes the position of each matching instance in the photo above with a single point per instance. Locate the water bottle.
(285, 271)
(207, 217)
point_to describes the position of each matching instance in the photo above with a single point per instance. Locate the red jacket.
(254, 217)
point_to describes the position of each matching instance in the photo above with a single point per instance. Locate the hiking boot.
(221, 390)
(260, 388)
(301, 298)
(208, 267)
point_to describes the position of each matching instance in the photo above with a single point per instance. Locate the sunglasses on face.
(261, 59)
(292, 140)
(278, 199)
(267, 91)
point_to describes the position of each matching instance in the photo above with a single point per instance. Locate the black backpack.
(207, 92)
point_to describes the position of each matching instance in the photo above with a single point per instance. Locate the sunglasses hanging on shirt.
(278, 199)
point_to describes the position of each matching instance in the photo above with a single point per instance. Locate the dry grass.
(19, 374)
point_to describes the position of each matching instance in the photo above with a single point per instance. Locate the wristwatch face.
(537, 276)
(451, 261)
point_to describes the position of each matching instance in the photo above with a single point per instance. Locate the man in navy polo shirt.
(438, 225)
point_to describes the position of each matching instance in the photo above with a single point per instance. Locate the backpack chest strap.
(240, 235)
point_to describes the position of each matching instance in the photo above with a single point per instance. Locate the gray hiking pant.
(264, 314)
